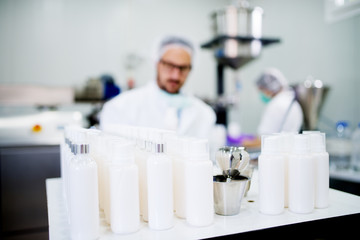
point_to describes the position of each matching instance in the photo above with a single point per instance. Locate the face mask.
(265, 99)
(178, 100)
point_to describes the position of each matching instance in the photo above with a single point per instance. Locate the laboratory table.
(341, 218)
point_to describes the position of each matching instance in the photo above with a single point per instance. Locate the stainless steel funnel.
(232, 160)
(311, 95)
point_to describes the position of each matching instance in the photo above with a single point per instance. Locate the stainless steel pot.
(239, 21)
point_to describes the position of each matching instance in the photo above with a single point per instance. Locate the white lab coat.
(149, 106)
(281, 114)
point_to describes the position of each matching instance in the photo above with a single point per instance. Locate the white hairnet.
(171, 41)
(272, 80)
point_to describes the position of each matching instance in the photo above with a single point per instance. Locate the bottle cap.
(157, 141)
(122, 151)
(198, 149)
(287, 141)
(301, 144)
(271, 144)
(317, 142)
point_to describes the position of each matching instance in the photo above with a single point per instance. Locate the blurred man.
(161, 103)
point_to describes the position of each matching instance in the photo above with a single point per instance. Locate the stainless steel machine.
(237, 41)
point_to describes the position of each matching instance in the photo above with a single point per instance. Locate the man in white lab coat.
(161, 103)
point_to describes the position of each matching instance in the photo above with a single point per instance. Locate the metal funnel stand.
(311, 95)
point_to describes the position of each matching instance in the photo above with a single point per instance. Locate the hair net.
(272, 80)
(173, 41)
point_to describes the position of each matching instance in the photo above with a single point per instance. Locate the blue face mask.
(178, 100)
(264, 98)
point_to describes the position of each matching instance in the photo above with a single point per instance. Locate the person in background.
(282, 113)
(161, 103)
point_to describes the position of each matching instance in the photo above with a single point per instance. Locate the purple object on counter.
(239, 140)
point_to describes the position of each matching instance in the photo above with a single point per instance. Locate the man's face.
(173, 69)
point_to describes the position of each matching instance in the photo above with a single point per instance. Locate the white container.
(106, 164)
(179, 177)
(142, 156)
(124, 189)
(160, 187)
(321, 161)
(301, 176)
(271, 165)
(286, 148)
(84, 204)
(199, 184)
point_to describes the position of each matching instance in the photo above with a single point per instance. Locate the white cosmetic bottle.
(271, 165)
(142, 156)
(124, 189)
(178, 146)
(159, 186)
(84, 203)
(321, 161)
(301, 176)
(199, 184)
(286, 148)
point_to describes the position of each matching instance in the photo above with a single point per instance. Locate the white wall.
(64, 42)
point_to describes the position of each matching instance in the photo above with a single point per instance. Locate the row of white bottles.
(173, 171)
(80, 181)
(293, 173)
(132, 175)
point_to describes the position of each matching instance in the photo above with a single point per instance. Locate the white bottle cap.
(122, 151)
(157, 141)
(198, 149)
(81, 142)
(317, 142)
(287, 141)
(271, 144)
(171, 142)
(301, 144)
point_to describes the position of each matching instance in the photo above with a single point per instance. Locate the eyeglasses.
(184, 69)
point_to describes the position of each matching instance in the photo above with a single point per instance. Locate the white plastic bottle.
(124, 189)
(301, 176)
(271, 165)
(84, 204)
(199, 184)
(321, 161)
(285, 151)
(140, 161)
(179, 175)
(142, 157)
(159, 186)
(355, 156)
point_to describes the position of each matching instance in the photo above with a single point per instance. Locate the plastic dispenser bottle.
(159, 186)
(321, 161)
(301, 176)
(102, 158)
(124, 189)
(355, 156)
(143, 153)
(84, 216)
(199, 184)
(108, 158)
(271, 175)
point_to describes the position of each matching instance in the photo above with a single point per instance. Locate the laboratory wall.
(65, 42)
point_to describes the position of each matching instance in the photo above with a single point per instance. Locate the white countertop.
(249, 218)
